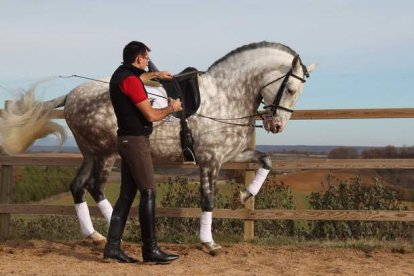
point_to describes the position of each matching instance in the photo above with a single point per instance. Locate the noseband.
(276, 103)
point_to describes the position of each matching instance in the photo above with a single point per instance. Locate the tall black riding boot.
(150, 250)
(116, 228)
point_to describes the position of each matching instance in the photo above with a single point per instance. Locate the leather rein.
(274, 106)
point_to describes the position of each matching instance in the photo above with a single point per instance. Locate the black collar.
(136, 71)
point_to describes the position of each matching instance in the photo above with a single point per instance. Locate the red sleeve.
(134, 89)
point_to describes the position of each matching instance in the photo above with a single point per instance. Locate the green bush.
(356, 196)
(275, 197)
(179, 193)
(37, 183)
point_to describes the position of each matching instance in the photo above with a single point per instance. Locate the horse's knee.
(266, 161)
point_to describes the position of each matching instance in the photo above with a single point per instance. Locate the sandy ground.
(39, 257)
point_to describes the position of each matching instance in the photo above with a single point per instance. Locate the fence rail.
(40, 159)
(244, 214)
(248, 214)
(325, 114)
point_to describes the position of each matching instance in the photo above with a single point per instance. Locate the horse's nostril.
(278, 128)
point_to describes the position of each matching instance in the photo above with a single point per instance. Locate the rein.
(274, 106)
(86, 78)
(220, 120)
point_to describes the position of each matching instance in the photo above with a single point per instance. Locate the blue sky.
(364, 52)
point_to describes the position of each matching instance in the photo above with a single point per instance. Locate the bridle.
(276, 103)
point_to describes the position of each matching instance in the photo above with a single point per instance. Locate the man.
(135, 115)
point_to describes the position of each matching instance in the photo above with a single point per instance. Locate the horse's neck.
(222, 97)
(234, 85)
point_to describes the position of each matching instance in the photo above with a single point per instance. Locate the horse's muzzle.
(273, 124)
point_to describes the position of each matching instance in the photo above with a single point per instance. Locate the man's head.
(136, 53)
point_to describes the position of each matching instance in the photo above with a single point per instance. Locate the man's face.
(142, 61)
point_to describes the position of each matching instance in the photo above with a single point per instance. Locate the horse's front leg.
(240, 198)
(208, 176)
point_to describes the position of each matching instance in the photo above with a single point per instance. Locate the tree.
(343, 153)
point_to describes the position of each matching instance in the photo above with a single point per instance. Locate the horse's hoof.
(212, 247)
(97, 239)
(236, 201)
(239, 199)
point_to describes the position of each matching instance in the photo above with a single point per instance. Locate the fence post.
(5, 193)
(6, 178)
(249, 224)
(248, 178)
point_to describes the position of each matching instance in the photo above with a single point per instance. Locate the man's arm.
(165, 75)
(157, 114)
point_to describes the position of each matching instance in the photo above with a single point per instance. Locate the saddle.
(183, 86)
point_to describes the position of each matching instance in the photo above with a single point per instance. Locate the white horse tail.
(26, 120)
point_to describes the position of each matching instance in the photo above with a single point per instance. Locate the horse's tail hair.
(26, 120)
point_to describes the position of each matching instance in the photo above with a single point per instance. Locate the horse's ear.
(311, 67)
(295, 62)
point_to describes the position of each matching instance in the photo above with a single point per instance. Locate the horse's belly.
(165, 141)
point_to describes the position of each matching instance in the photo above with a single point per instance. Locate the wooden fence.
(249, 214)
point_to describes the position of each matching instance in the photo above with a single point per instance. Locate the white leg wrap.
(85, 221)
(106, 209)
(206, 220)
(258, 181)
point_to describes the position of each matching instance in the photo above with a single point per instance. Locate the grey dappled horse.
(232, 88)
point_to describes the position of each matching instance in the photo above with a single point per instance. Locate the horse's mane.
(256, 45)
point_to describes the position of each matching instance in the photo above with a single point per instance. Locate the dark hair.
(132, 50)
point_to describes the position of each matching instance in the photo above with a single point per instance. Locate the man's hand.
(175, 104)
(165, 75)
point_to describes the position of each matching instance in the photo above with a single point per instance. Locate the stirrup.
(189, 157)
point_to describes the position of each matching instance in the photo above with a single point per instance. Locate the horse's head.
(280, 94)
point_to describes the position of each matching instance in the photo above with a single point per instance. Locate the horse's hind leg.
(78, 189)
(253, 188)
(101, 169)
